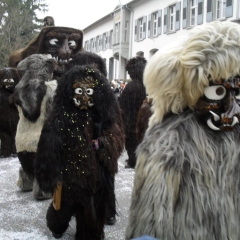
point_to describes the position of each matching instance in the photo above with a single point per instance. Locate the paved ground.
(23, 218)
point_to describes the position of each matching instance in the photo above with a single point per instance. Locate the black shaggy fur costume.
(33, 97)
(9, 78)
(89, 58)
(95, 61)
(130, 101)
(66, 154)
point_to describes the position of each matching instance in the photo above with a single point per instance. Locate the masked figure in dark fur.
(9, 78)
(62, 43)
(95, 61)
(81, 139)
(131, 100)
(33, 97)
(187, 177)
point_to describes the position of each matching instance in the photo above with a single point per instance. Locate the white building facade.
(142, 27)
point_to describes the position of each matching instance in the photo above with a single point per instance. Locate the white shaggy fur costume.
(187, 179)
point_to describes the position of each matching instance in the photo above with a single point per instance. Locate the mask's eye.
(89, 91)
(78, 91)
(72, 43)
(53, 41)
(215, 92)
(5, 80)
(237, 94)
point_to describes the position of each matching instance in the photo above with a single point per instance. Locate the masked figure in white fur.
(33, 96)
(187, 177)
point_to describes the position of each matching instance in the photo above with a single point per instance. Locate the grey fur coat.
(187, 182)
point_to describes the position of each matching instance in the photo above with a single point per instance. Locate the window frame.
(154, 24)
(172, 17)
(195, 8)
(220, 10)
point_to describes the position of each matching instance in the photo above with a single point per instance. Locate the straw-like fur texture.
(187, 182)
(176, 77)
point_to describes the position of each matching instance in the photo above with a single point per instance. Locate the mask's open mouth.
(218, 126)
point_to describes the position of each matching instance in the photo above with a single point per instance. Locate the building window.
(117, 32)
(193, 12)
(100, 43)
(111, 39)
(172, 18)
(105, 41)
(85, 45)
(140, 36)
(92, 46)
(97, 44)
(155, 23)
(126, 31)
(220, 8)
(140, 29)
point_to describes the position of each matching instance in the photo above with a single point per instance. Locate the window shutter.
(135, 31)
(144, 26)
(200, 12)
(101, 42)
(149, 25)
(165, 20)
(107, 39)
(229, 8)
(178, 14)
(111, 39)
(184, 21)
(209, 11)
(95, 45)
(159, 28)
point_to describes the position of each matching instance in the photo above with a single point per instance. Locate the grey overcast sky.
(79, 13)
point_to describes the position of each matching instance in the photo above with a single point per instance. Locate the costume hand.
(95, 144)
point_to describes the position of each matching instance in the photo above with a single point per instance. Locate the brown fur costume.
(130, 101)
(33, 96)
(187, 178)
(143, 117)
(45, 43)
(9, 78)
(66, 153)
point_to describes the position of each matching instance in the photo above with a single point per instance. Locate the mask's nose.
(64, 52)
(233, 109)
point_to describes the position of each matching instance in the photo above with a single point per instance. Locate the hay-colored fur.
(176, 77)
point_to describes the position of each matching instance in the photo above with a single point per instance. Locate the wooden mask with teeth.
(62, 43)
(220, 104)
(83, 91)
